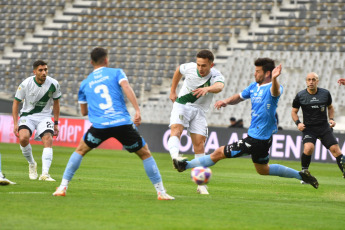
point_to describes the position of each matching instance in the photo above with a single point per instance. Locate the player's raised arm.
(275, 90)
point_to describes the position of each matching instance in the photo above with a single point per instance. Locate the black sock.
(338, 158)
(305, 160)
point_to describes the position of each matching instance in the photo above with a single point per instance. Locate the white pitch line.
(27, 192)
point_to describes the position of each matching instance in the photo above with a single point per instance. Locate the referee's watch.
(56, 122)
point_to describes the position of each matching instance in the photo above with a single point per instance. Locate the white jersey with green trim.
(194, 80)
(38, 99)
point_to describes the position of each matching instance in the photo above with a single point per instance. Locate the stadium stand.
(149, 39)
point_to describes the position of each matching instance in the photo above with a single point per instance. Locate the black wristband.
(56, 122)
(297, 122)
(332, 119)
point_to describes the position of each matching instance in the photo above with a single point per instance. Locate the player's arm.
(331, 115)
(275, 89)
(341, 81)
(83, 109)
(295, 119)
(127, 89)
(15, 107)
(56, 113)
(233, 100)
(215, 88)
(176, 79)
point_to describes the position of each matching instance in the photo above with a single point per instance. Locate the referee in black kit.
(315, 102)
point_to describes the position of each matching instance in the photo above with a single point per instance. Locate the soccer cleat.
(4, 181)
(202, 189)
(308, 178)
(165, 196)
(60, 191)
(33, 171)
(180, 163)
(46, 177)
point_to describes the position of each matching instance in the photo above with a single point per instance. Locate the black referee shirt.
(314, 106)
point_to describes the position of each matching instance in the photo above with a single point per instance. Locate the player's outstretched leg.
(181, 164)
(283, 171)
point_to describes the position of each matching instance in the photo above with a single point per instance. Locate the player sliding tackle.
(264, 94)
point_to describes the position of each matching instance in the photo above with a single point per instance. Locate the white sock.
(174, 146)
(47, 157)
(64, 183)
(199, 155)
(1, 175)
(27, 152)
(159, 187)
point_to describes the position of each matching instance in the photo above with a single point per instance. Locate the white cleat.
(60, 191)
(202, 189)
(4, 181)
(33, 171)
(165, 196)
(46, 177)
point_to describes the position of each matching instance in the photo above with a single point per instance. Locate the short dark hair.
(206, 54)
(98, 55)
(38, 63)
(266, 63)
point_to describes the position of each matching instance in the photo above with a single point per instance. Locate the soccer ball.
(201, 175)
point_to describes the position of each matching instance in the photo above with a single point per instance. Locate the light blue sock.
(283, 171)
(201, 161)
(152, 170)
(72, 166)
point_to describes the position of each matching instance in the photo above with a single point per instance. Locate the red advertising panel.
(71, 132)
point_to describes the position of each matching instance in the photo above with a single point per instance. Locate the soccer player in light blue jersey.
(101, 98)
(264, 94)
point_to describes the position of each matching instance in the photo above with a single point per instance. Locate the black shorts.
(258, 149)
(127, 135)
(322, 132)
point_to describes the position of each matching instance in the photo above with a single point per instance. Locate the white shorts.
(40, 124)
(191, 117)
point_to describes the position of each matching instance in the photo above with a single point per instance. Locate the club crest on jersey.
(180, 117)
(322, 108)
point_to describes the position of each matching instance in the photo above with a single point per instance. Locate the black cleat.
(180, 163)
(308, 178)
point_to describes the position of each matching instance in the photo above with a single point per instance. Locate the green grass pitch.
(111, 191)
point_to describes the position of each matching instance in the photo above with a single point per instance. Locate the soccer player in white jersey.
(38, 93)
(201, 82)
(101, 97)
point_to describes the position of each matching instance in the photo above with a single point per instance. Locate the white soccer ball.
(201, 175)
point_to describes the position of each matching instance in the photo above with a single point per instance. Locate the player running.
(264, 94)
(101, 97)
(39, 93)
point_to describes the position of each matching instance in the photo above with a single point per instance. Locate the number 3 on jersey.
(104, 93)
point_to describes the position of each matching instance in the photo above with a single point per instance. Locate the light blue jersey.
(102, 92)
(264, 106)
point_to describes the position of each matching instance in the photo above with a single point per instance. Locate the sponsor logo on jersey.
(314, 99)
